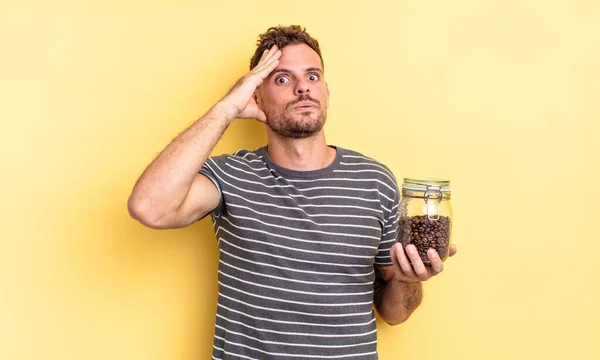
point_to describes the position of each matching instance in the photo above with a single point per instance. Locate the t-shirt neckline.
(300, 174)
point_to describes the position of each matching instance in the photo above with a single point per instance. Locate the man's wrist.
(226, 110)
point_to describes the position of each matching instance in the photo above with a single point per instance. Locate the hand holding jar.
(426, 218)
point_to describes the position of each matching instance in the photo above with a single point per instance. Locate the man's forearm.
(167, 180)
(396, 300)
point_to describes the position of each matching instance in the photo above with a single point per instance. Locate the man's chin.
(307, 124)
(300, 132)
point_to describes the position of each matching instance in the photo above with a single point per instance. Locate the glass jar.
(426, 216)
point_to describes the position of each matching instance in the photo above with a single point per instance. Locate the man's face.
(294, 97)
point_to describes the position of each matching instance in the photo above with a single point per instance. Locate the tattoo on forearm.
(413, 299)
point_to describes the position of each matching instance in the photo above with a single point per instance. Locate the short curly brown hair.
(283, 36)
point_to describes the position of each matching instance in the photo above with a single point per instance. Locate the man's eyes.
(284, 79)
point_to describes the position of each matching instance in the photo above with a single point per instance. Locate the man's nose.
(302, 88)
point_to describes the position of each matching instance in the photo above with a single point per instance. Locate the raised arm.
(171, 193)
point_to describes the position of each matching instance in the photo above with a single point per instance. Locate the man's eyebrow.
(280, 71)
(314, 69)
(310, 69)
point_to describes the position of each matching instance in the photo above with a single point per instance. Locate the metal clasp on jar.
(433, 209)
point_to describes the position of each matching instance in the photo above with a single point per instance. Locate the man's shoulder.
(242, 161)
(360, 161)
(240, 155)
(356, 157)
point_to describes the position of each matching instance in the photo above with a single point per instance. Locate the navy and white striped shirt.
(297, 250)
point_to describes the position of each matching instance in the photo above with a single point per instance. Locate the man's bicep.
(202, 198)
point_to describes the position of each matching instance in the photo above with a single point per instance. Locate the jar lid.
(425, 184)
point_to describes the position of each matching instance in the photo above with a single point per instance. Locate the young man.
(306, 231)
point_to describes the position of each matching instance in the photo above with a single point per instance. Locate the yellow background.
(501, 97)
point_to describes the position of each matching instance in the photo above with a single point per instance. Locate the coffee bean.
(425, 233)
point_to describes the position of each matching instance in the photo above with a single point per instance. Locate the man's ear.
(257, 98)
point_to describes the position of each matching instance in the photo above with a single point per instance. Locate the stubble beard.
(297, 125)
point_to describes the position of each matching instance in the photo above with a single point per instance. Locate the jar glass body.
(426, 217)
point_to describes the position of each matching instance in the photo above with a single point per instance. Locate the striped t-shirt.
(297, 250)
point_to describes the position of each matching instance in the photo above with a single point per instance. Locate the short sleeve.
(390, 232)
(209, 170)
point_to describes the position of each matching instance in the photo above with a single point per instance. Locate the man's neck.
(301, 154)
